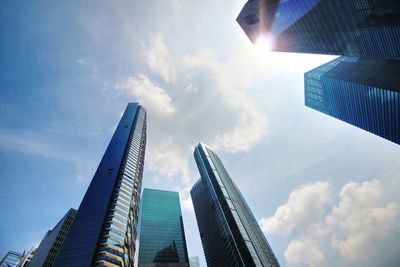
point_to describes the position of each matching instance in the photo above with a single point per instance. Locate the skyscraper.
(194, 261)
(162, 236)
(229, 232)
(50, 246)
(365, 28)
(11, 259)
(104, 230)
(27, 258)
(362, 92)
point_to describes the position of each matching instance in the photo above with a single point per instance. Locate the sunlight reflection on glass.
(265, 42)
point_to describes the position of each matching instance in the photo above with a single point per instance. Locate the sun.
(265, 42)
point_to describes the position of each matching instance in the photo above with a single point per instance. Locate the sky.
(324, 192)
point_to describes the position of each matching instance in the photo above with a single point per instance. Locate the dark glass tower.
(364, 28)
(362, 92)
(104, 230)
(229, 232)
(162, 237)
(50, 246)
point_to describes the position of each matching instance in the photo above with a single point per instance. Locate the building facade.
(362, 28)
(194, 261)
(27, 258)
(11, 259)
(229, 232)
(162, 236)
(49, 247)
(362, 92)
(104, 230)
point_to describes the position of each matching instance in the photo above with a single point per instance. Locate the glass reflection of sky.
(293, 10)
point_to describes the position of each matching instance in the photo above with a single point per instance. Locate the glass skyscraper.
(362, 92)
(50, 246)
(11, 259)
(194, 261)
(26, 259)
(229, 232)
(162, 236)
(104, 230)
(362, 28)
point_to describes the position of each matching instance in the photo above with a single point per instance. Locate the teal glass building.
(229, 232)
(361, 92)
(49, 247)
(362, 28)
(162, 236)
(105, 227)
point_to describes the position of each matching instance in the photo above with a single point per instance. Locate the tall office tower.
(27, 258)
(365, 28)
(104, 230)
(162, 237)
(229, 232)
(51, 243)
(11, 259)
(194, 261)
(362, 92)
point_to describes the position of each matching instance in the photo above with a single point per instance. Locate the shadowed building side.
(50, 246)
(361, 92)
(214, 236)
(104, 230)
(229, 232)
(364, 28)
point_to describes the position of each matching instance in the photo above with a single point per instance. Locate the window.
(251, 19)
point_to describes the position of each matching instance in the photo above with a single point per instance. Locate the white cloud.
(166, 159)
(250, 125)
(305, 206)
(185, 198)
(304, 250)
(205, 104)
(159, 60)
(176, 5)
(368, 228)
(148, 94)
(362, 229)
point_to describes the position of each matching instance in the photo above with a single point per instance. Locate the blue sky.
(321, 189)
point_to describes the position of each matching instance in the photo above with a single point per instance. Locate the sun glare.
(265, 43)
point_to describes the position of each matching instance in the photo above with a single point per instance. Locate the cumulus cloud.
(304, 251)
(362, 229)
(186, 200)
(158, 59)
(176, 5)
(205, 104)
(250, 125)
(364, 226)
(167, 160)
(305, 206)
(148, 94)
